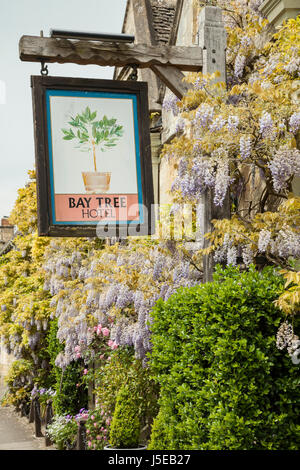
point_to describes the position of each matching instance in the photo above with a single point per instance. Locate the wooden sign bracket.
(167, 62)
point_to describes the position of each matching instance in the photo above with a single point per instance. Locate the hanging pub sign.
(93, 157)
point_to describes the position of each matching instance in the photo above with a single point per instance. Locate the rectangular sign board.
(93, 157)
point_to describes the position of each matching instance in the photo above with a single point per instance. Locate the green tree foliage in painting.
(91, 133)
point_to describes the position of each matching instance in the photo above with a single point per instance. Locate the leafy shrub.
(68, 398)
(224, 384)
(16, 380)
(125, 424)
(62, 431)
(122, 368)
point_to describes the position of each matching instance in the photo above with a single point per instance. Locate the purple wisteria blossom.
(246, 41)
(266, 125)
(294, 123)
(239, 65)
(245, 147)
(285, 336)
(200, 83)
(166, 272)
(232, 124)
(271, 64)
(217, 124)
(203, 116)
(204, 170)
(170, 104)
(293, 65)
(287, 244)
(284, 165)
(125, 297)
(232, 256)
(247, 255)
(226, 252)
(221, 182)
(263, 240)
(111, 296)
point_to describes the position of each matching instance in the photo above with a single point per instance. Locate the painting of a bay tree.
(93, 156)
(89, 134)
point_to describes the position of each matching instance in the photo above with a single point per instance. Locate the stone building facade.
(6, 232)
(176, 22)
(156, 22)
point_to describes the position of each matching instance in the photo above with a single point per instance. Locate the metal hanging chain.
(44, 68)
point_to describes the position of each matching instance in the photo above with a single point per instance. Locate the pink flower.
(92, 417)
(85, 371)
(77, 348)
(105, 332)
(99, 328)
(78, 355)
(77, 385)
(89, 443)
(88, 431)
(95, 425)
(102, 356)
(98, 437)
(108, 421)
(112, 344)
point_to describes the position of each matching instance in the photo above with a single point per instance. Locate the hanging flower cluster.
(225, 138)
(108, 294)
(25, 306)
(274, 235)
(242, 134)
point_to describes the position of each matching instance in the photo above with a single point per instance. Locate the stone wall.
(6, 231)
(5, 362)
(186, 36)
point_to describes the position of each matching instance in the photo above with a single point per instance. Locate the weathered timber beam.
(37, 49)
(172, 78)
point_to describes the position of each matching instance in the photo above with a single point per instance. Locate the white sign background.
(69, 162)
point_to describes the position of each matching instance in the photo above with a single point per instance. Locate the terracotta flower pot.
(96, 182)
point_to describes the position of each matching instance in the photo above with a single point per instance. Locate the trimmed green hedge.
(125, 425)
(224, 384)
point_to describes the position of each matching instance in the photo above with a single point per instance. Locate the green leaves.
(68, 135)
(125, 425)
(104, 133)
(107, 132)
(224, 384)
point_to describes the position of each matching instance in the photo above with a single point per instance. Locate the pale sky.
(18, 17)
